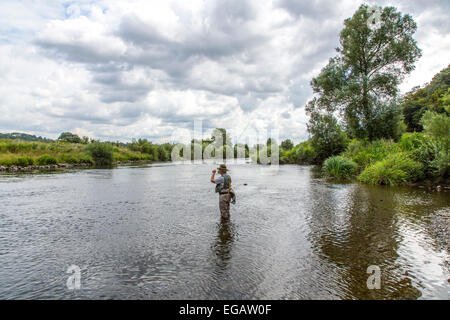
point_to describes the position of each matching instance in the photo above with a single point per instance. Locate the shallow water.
(154, 232)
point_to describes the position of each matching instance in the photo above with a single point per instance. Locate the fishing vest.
(222, 187)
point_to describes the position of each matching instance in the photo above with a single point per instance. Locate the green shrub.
(395, 169)
(16, 146)
(435, 160)
(23, 161)
(133, 157)
(126, 155)
(339, 167)
(163, 154)
(412, 141)
(288, 156)
(85, 158)
(365, 153)
(306, 154)
(328, 137)
(101, 153)
(69, 158)
(6, 159)
(429, 152)
(440, 166)
(437, 125)
(302, 153)
(355, 146)
(46, 159)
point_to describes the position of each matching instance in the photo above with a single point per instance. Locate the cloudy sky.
(117, 70)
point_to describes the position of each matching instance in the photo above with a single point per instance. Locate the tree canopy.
(23, 137)
(287, 144)
(69, 137)
(361, 82)
(434, 97)
(327, 136)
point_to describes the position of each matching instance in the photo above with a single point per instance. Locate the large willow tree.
(361, 81)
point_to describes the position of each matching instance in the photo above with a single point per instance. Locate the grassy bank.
(416, 151)
(416, 157)
(23, 153)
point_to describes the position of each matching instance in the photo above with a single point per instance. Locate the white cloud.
(126, 69)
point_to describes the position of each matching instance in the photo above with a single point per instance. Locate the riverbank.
(42, 168)
(430, 185)
(61, 166)
(396, 143)
(26, 156)
(416, 159)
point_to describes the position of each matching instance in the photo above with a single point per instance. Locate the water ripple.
(154, 232)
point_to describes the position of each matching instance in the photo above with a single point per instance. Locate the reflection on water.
(154, 232)
(224, 243)
(363, 232)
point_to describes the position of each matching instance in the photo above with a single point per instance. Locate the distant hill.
(23, 136)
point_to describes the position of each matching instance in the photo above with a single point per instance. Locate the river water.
(154, 232)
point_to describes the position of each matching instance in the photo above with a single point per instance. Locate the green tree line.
(360, 126)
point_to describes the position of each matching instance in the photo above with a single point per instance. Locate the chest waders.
(225, 186)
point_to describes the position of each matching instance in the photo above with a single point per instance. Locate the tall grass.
(46, 159)
(339, 167)
(121, 154)
(395, 169)
(365, 153)
(428, 151)
(26, 153)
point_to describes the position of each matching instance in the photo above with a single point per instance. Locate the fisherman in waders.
(223, 187)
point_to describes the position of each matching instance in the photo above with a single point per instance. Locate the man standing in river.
(223, 186)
